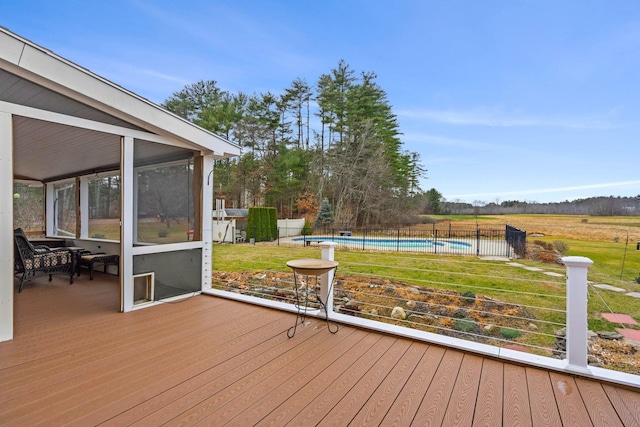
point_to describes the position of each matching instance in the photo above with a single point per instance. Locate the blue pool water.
(371, 243)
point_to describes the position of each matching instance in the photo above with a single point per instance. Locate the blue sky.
(504, 100)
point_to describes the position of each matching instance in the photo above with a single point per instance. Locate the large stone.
(416, 318)
(609, 335)
(398, 313)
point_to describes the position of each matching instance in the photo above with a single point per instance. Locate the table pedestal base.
(301, 315)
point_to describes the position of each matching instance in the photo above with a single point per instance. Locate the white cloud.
(498, 118)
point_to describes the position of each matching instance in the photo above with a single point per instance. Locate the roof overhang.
(63, 109)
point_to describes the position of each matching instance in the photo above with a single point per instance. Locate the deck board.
(208, 361)
(544, 410)
(623, 403)
(436, 399)
(288, 379)
(312, 414)
(375, 409)
(306, 395)
(572, 409)
(464, 395)
(488, 408)
(410, 397)
(516, 407)
(597, 404)
(343, 412)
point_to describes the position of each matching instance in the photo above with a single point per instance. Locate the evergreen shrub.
(262, 224)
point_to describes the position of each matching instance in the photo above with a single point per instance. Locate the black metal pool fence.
(481, 241)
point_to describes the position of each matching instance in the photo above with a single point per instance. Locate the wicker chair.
(34, 261)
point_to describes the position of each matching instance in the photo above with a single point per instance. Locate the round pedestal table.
(315, 268)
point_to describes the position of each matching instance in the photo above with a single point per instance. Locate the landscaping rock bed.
(458, 314)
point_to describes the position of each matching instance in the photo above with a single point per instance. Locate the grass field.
(602, 239)
(149, 231)
(577, 227)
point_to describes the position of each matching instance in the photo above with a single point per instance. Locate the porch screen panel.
(64, 210)
(104, 207)
(175, 273)
(28, 207)
(164, 194)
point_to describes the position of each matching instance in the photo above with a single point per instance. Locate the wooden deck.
(208, 361)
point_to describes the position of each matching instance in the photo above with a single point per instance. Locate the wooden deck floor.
(208, 361)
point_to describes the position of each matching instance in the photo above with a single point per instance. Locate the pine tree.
(325, 216)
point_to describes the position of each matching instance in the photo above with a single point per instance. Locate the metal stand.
(302, 304)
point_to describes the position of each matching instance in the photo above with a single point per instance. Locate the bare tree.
(360, 175)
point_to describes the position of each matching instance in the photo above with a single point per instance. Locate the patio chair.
(34, 261)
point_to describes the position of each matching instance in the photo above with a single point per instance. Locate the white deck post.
(127, 219)
(576, 337)
(6, 227)
(326, 294)
(207, 222)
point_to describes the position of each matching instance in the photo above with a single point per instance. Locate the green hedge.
(262, 224)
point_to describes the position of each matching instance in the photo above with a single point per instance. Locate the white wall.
(223, 231)
(287, 227)
(290, 227)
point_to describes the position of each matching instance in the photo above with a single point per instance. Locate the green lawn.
(148, 231)
(494, 279)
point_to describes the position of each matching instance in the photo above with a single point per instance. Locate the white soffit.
(30, 61)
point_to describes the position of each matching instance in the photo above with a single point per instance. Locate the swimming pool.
(396, 244)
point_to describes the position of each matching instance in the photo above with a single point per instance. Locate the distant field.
(603, 239)
(578, 227)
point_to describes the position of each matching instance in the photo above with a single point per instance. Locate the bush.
(560, 246)
(163, 233)
(469, 297)
(544, 245)
(510, 333)
(307, 230)
(465, 325)
(262, 224)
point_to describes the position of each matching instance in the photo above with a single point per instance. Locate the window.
(104, 207)
(28, 207)
(165, 202)
(64, 209)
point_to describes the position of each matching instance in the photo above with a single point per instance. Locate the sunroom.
(116, 175)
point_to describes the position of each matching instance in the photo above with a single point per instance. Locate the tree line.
(337, 140)
(434, 203)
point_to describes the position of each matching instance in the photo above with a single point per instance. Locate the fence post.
(576, 336)
(326, 294)
(435, 241)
